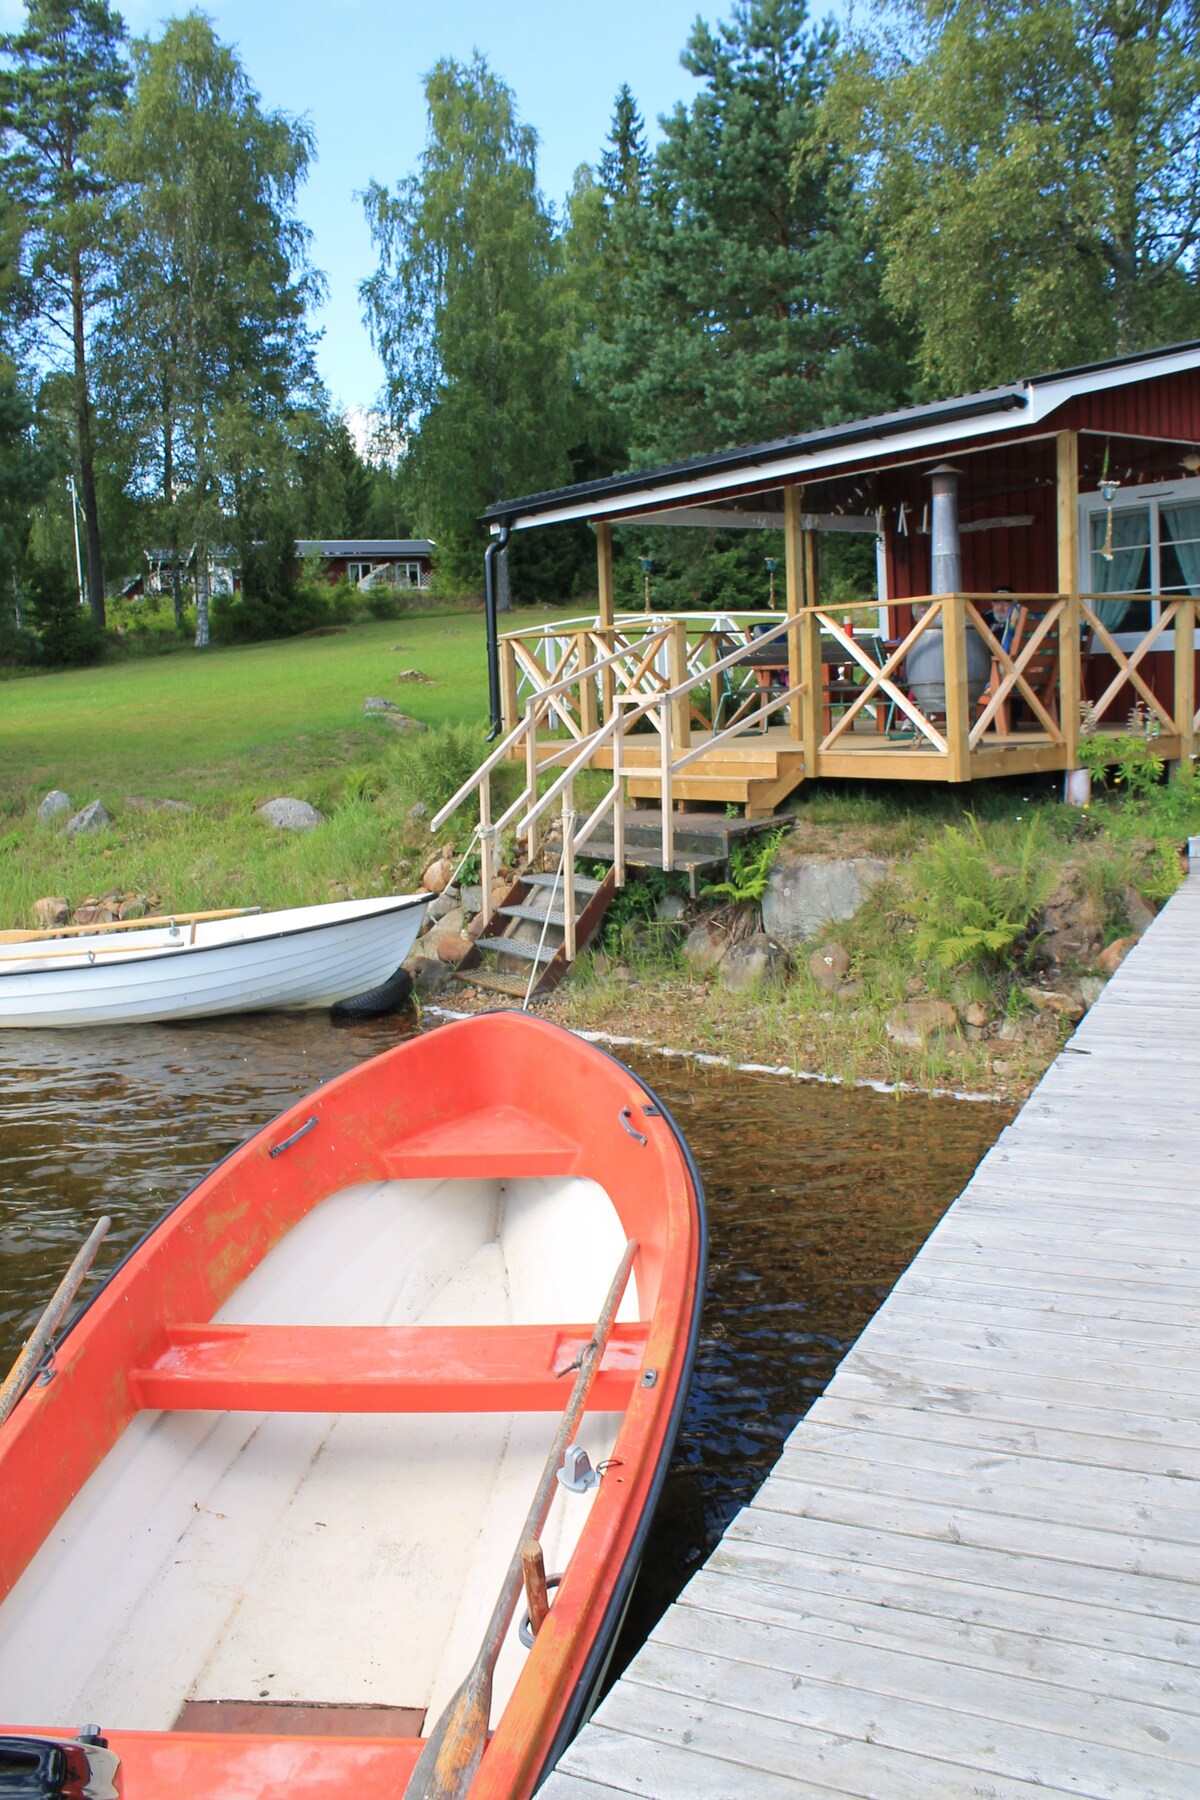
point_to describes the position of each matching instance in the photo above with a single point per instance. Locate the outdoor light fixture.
(647, 565)
(1108, 491)
(772, 563)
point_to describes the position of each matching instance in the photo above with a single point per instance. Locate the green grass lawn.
(167, 724)
(224, 731)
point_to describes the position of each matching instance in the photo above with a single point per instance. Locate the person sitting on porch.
(1003, 616)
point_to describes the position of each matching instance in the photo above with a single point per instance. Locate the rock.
(672, 908)
(1109, 959)
(375, 703)
(415, 675)
(54, 805)
(94, 912)
(829, 967)
(133, 908)
(919, 1023)
(94, 817)
(287, 814)
(429, 976)
(1140, 915)
(704, 946)
(976, 1015)
(451, 924)
(806, 893)
(1010, 1031)
(849, 990)
(437, 875)
(755, 961)
(418, 810)
(401, 722)
(1049, 1002)
(1090, 988)
(477, 927)
(54, 910)
(453, 947)
(443, 903)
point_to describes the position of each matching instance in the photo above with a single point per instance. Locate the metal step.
(495, 980)
(533, 915)
(528, 952)
(583, 883)
(641, 856)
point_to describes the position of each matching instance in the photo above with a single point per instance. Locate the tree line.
(954, 193)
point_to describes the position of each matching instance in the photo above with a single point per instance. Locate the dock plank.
(975, 1569)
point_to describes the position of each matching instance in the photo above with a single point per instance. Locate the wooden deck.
(975, 1570)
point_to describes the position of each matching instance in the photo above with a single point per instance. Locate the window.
(358, 571)
(408, 574)
(1145, 541)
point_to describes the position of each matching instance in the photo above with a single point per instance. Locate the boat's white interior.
(329, 1560)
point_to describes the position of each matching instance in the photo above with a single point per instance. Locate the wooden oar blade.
(454, 1749)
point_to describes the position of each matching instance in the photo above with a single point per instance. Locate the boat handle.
(287, 1142)
(626, 1120)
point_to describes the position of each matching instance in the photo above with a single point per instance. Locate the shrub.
(1135, 764)
(432, 765)
(749, 870)
(969, 908)
(67, 636)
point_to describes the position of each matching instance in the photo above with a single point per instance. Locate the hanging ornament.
(1108, 490)
(902, 519)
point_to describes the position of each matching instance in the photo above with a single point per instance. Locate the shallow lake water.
(818, 1199)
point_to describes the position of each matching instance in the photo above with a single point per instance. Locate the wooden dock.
(975, 1570)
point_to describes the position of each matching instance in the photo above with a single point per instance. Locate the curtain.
(1182, 525)
(1128, 569)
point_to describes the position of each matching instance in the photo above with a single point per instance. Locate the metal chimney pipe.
(945, 575)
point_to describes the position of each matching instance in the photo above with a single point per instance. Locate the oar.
(34, 1346)
(454, 1748)
(63, 931)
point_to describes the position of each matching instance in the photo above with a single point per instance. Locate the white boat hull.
(304, 957)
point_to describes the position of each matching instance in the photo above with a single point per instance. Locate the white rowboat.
(306, 956)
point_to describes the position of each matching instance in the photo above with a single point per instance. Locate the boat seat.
(497, 1141)
(383, 1368)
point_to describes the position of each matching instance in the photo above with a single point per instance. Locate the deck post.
(589, 720)
(1185, 682)
(509, 705)
(958, 700)
(800, 562)
(605, 611)
(1070, 684)
(677, 665)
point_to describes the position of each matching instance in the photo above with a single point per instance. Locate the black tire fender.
(388, 997)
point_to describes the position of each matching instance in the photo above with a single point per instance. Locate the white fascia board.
(1046, 397)
(718, 518)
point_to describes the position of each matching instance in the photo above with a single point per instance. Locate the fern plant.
(749, 871)
(969, 908)
(432, 765)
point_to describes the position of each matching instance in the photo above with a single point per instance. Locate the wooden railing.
(1037, 687)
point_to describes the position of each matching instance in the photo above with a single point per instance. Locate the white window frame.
(1151, 495)
(357, 570)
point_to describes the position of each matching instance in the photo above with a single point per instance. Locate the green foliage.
(67, 635)
(749, 870)
(749, 302)
(968, 906)
(1129, 761)
(430, 766)
(1031, 171)
(465, 311)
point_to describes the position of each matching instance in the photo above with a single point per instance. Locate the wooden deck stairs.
(757, 771)
(702, 843)
(527, 929)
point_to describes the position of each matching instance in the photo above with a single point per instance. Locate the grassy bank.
(223, 732)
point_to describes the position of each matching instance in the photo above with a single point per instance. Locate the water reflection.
(818, 1199)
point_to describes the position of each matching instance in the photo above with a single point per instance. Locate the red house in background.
(363, 562)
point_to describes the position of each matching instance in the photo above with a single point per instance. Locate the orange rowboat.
(270, 1516)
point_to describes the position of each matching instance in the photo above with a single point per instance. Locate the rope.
(533, 968)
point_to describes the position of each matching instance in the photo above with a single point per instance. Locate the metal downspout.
(498, 543)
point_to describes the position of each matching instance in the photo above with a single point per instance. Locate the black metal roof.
(881, 425)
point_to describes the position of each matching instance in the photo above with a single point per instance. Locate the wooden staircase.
(757, 771)
(702, 843)
(528, 929)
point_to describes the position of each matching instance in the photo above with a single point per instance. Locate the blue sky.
(353, 68)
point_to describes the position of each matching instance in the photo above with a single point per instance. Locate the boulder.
(375, 703)
(1090, 988)
(1111, 957)
(429, 975)
(134, 907)
(919, 1023)
(138, 803)
(1140, 915)
(54, 806)
(94, 912)
(704, 946)
(287, 814)
(401, 722)
(1050, 1002)
(437, 876)
(453, 946)
(976, 1015)
(415, 675)
(53, 911)
(806, 893)
(440, 905)
(754, 961)
(672, 908)
(829, 967)
(94, 817)
(451, 924)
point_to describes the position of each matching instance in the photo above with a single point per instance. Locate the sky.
(353, 69)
